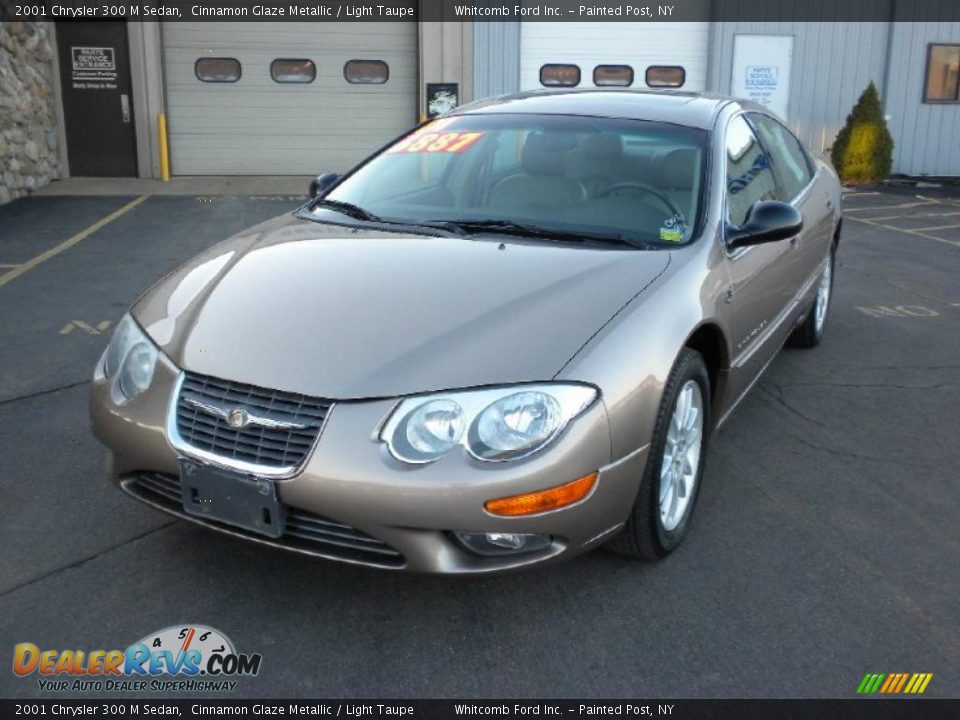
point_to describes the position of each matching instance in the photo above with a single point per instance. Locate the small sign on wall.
(93, 68)
(441, 98)
(761, 70)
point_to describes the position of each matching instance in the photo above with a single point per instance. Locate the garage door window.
(943, 74)
(366, 72)
(560, 75)
(613, 75)
(217, 70)
(666, 76)
(288, 70)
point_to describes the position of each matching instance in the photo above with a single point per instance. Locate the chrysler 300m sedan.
(502, 340)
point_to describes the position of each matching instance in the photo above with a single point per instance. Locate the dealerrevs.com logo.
(182, 658)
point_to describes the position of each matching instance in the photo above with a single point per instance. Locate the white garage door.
(636, 44)
(262, 123)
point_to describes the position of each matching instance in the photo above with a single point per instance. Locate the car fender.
(631, 357)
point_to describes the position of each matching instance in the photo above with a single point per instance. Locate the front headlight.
(493, 424)
(131, 357)
(124, 336)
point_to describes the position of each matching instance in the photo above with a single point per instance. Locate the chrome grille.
(305, 531)
(282, 429)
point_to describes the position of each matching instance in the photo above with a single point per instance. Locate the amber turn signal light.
(542, 500)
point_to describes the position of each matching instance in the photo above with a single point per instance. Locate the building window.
(366, 72)
(943, 74)
(560, 75)
(287, 70)
(613, 75)
(666, 76)
(217, 70)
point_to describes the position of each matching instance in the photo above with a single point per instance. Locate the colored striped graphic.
(893, 683)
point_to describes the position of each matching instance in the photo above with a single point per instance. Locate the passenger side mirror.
(767, 221)
(321, 183)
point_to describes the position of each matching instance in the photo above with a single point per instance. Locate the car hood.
(342, 313)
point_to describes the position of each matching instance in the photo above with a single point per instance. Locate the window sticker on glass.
(437, 142)
(674, 228)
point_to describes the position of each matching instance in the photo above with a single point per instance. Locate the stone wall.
(28, 128)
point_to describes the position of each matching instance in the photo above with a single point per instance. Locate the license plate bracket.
(244, 501)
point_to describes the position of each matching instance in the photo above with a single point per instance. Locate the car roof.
(674, 106)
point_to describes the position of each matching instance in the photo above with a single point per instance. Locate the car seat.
(599, 163)
(543, 184)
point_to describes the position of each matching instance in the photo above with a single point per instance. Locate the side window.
(790, 164)
(749, 178)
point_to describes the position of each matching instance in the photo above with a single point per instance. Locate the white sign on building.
(761, 70)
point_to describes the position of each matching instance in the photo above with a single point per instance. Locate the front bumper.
(351, 481)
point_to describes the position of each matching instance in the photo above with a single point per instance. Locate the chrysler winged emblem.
(238, 418)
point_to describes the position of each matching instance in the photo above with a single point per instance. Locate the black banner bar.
(858, 709)
(484, 10)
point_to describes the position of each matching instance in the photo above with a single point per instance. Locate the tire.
(648, 535)
(809, 333)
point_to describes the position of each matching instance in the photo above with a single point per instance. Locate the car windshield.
(634, 180)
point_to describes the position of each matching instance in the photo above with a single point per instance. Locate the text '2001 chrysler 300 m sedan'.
(503, 339)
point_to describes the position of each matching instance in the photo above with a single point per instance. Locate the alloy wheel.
(681, 455)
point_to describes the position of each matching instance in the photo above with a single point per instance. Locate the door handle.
(125, 108)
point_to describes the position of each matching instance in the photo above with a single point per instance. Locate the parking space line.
(8, 265)
(67, 244)
(944, 201)
(916, 215)
(892, 207)
(937, 227)
(954, 243)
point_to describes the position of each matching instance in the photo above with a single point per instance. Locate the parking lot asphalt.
(825, 545)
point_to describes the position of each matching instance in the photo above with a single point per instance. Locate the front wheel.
(809, 333)
(671, 479)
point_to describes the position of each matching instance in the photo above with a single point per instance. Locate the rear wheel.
(671, 479)
(810, 332)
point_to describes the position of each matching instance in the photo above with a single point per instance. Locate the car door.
(763, 280)
(794, 172)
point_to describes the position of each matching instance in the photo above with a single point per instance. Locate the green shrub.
(863, 150)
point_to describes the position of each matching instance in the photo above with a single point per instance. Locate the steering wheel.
(646, 190)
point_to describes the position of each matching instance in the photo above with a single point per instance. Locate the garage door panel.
(637, 44)
(259, 126)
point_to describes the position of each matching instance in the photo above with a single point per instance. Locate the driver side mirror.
(321, 183)
(767, 221)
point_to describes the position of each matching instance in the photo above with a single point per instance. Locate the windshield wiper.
(348, 209)
(509, 227)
